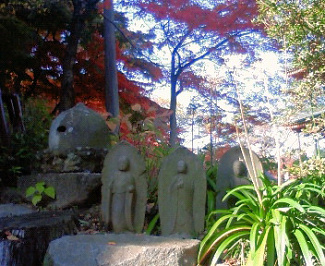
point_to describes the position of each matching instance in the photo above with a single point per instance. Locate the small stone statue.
(181, 194)
(233, 171)
(124, 189)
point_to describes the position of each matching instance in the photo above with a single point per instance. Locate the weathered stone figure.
(181, 194)
(233, 171)
(124, 189)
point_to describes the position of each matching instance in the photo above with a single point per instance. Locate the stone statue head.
(240, 169)
(123, 163)
(234, 171)
(181, 167)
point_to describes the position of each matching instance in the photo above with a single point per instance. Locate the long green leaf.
(211, 235)
(259, 255)
(212, 183)
(253, 237)
(218, 237)
(279, 236)
(289, 202)
(210, 200)
(229, 240)
(270, 256)
(303, 246)
(317, 210)
(315, 242)
(152, 224)
(285, 185)
(240, 189)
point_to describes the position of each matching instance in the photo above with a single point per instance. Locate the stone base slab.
(72, 189)
(121, 250)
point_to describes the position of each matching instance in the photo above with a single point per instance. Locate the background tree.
(82, 10)
(188, 32)
(299, 28)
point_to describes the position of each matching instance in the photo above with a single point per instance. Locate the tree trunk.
(67, 97)
(81, 12)
(173, 105)
(111, 84)
(4, 129)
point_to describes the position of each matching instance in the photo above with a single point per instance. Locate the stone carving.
(181, 194)
(233, 172)
(78, 127)
(124, 189)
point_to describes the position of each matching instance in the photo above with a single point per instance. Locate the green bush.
(283, 228)
(311, 171)
(39, 192)
(20, 157)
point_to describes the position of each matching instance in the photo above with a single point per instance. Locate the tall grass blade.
(303, 246)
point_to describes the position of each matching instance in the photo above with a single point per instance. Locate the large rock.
(79, 126)
(72, 189)
(121, 250)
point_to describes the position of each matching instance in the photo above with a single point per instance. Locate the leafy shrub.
(19, 158)
(311, 171)
(283, 228)
(39, 192)
(313, 168)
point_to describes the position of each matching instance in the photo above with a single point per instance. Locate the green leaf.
(30, 191)
(212, 183)
(152, 224)
(222, 247)
(258, 257)
(280, 236)
(289, 202)
(40, 187)
(303, 246)
(270, 256)
(211, 200)
(315, 242)
(50, 191)
(218, 238)
(36, 199)
(253, 238)
(316, 210)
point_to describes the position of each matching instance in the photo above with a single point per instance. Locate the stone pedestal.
(121, 250)
(72, 189)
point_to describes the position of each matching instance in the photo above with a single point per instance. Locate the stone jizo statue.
(181, 194)
(234, 171)
(124, 189)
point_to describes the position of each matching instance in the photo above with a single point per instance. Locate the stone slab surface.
(71, 189)
(121, 250)
(10, 209)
